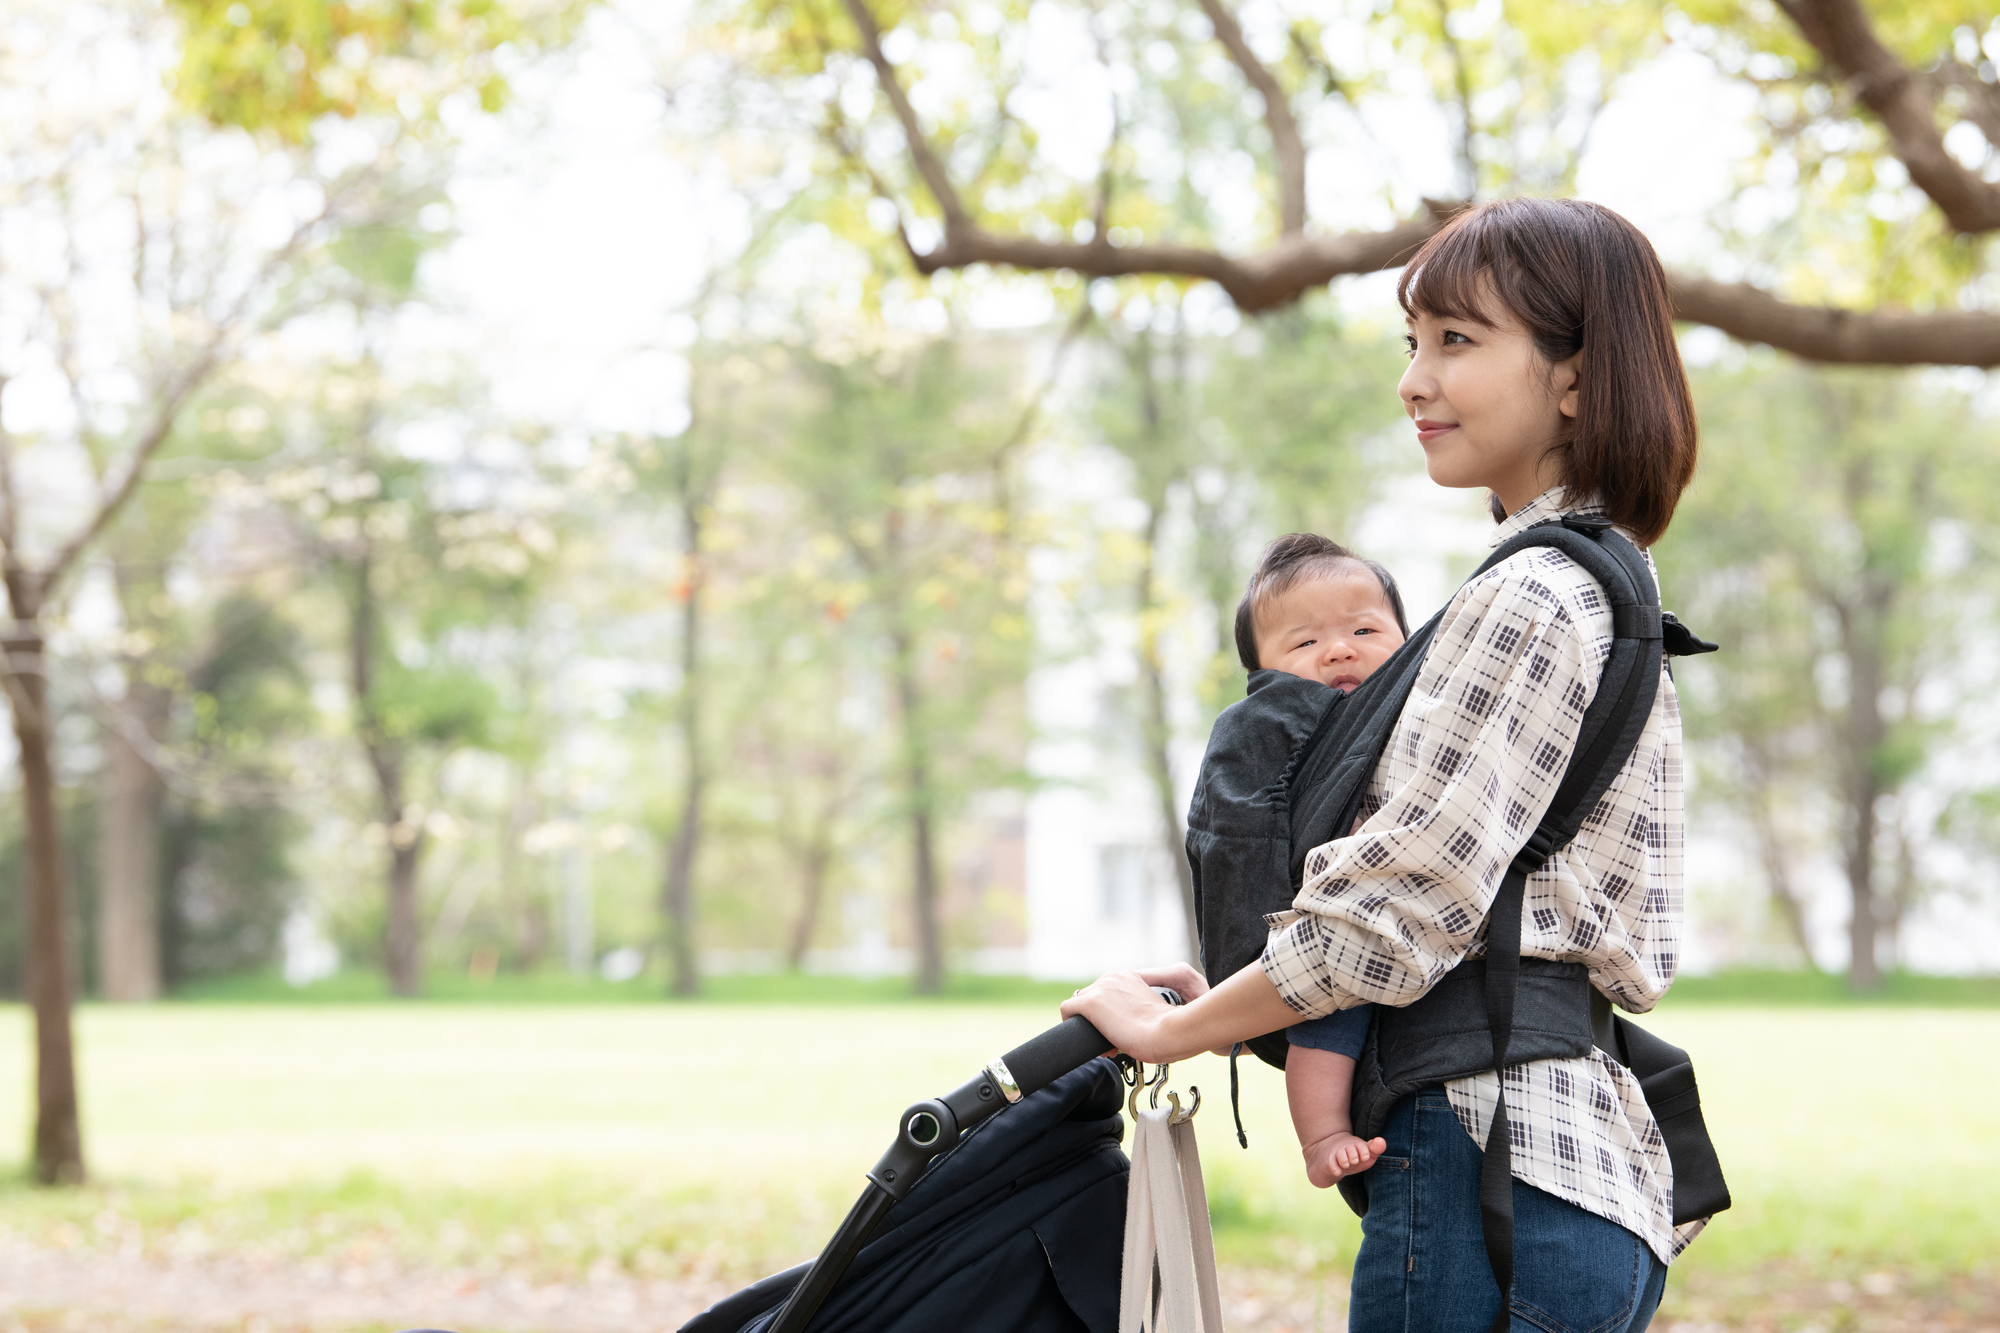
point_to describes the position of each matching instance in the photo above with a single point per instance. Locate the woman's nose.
(1416, 386)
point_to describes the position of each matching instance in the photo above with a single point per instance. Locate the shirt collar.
(1551, 503)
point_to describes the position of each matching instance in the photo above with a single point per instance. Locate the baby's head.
(1315, 609)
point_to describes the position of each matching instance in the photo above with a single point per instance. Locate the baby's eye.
(1306, 643)
(1365, 630)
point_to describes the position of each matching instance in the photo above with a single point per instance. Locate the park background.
(603, 594)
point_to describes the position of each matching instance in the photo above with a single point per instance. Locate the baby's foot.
(1341, 1154)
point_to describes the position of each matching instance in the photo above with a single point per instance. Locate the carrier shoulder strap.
(1611, 728)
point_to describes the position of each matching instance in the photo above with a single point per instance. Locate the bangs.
(1444, 280)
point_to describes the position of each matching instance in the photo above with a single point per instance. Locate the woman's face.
(1488, 408)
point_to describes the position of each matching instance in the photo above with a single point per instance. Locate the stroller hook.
(1156, 1082)
(1180, 1117)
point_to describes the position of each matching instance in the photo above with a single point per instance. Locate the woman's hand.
(1126, 1009)
(1138, 1022)
(1181, 978)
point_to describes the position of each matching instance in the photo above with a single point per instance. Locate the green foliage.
(281, 65)
(226, 841)
(383, 257)
(1834, 535)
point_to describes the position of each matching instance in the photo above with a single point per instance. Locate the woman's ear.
(1567, 377)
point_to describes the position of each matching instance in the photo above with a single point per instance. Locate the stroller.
(1012, 1226)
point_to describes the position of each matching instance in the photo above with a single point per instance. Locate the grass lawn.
(726, 1139)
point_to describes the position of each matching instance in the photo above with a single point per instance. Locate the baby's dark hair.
(1291, 558)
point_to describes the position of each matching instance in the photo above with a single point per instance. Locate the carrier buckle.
(1541, 845)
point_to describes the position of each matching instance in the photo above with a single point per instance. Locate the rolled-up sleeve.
(1472, 765)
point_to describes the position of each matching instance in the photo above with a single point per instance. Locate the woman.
(1543, 368)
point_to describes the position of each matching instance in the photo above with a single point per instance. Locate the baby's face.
(1334, 629)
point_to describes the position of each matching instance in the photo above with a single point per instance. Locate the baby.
(1316, 610)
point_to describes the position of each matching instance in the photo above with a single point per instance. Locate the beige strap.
(1168, 1243)
(1196, 1195)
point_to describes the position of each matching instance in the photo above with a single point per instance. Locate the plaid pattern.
(1469, 770)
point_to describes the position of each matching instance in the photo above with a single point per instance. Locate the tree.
(685, 471)
(1834, 542)
(281, 66)
(970, 184)
(1155, 435)
(143, 280)
(895, 457)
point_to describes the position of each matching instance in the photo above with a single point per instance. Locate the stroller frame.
(930, 1127)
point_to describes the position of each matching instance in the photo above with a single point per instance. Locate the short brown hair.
(1580, 278)
(1294, 557)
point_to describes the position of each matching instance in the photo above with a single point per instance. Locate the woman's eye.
(1453, 335)
(1409, 345)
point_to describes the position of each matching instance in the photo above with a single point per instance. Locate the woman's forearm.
(1135, 1020)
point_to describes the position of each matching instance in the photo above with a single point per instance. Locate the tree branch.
(173, 397)
(929, 165)
(1904, 102)
(1272, 277)
(1286, 145)
(10, 513)
(1825, 333)
(1468, 165)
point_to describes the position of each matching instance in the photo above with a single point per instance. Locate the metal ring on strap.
(1003, 1079)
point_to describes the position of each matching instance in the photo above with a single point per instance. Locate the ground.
(557, 1168)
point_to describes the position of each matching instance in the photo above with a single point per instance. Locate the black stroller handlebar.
(1073, 1042)
(932, 1127)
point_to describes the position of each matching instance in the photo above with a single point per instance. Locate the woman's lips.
(1430, 430)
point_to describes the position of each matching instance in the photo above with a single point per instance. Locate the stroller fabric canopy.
(1017, 1229)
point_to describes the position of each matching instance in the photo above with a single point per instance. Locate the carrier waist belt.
(1558, 1015)
(1444, 1035)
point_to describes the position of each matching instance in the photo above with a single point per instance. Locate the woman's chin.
(1443, 472)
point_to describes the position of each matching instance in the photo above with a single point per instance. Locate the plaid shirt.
(1469, 770)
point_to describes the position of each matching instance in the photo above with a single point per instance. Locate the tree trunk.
(923, 851)
(1158, 736)
(1775, 856)
(402, 929)
(917, 780)
(128, 931)
(681, 913)
(1157, 724)
(917, 790)
(813, 866)
(402, 934)
(58, 1146)
(1861, 629)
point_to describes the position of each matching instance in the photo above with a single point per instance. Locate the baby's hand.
(1340, 1154)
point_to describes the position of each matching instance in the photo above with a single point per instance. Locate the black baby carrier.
(1249, 836)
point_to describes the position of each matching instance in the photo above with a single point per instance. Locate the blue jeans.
(1422, 1266)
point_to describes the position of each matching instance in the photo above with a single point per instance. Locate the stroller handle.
(931, 1127)
(1075, 1041)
